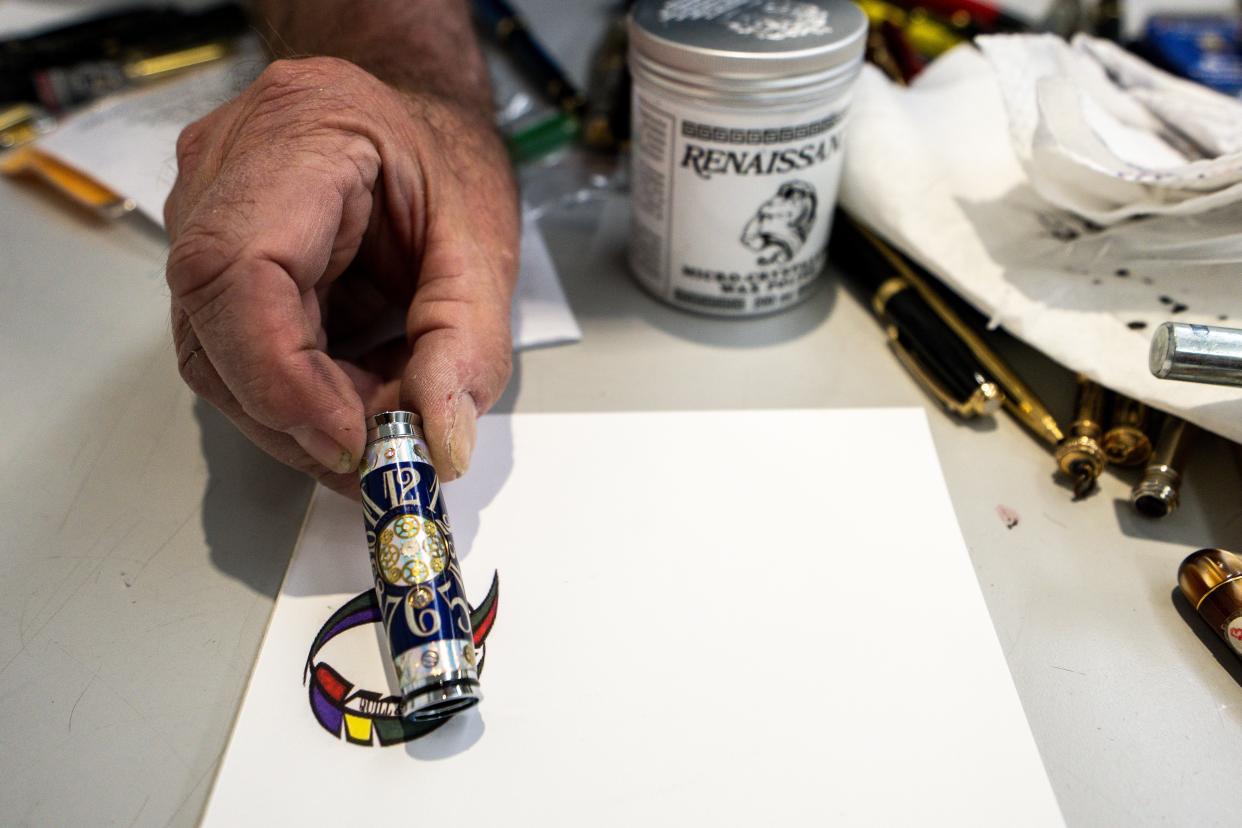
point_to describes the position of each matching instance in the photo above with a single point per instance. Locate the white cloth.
(1106, 135)
(933, 168)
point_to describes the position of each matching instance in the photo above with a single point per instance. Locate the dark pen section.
(502, 23)
(919, 330)
(112, 36)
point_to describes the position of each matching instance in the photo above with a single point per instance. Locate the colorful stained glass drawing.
(366, 717)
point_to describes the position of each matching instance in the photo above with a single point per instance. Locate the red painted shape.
(330, 682)
(485, 626)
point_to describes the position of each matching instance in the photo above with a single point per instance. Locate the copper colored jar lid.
(1205, 570)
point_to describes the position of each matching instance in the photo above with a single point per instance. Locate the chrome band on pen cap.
(417, 577)
(1158, 492)
(1197, 353)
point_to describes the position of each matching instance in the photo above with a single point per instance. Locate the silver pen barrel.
(1197, 353)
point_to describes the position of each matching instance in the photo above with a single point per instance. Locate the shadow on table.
(1220, 651)
(1210, 513)
(253, 505)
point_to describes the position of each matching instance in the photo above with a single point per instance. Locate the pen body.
(933, 351)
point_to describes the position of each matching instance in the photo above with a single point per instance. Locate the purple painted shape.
(328, 714)
(367, 616)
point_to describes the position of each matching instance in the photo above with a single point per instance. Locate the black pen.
(503, 24)
(922, 341)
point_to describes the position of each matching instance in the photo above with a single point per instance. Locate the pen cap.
(731, 48)
(1204, 571)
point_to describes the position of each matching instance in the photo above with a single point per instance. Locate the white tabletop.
(143, 538)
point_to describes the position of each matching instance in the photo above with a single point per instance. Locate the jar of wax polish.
(738, 117)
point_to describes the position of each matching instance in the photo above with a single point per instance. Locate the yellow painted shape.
(359, 728)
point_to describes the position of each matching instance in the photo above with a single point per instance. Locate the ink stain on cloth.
(1008, 516)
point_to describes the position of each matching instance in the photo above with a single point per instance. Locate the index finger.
(244, 266)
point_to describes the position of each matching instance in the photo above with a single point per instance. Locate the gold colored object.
(1126, 442)
(79, 187)
(927, 35)
(1079, 456)
(22, 123)
(889, 288)
(1211, 580)
(1019, 400)
(1158, 493)
(159, 66)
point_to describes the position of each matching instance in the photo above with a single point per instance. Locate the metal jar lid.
(748, 44)
(1205, 570)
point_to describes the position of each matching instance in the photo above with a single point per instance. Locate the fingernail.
(324, 449)
(462, 433)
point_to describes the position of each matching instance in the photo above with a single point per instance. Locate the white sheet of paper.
(705, 618)
(129, 144)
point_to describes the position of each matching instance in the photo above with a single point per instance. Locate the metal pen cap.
(1126, 442)
(1197, 353)
(1157, 493)
(418, 581)
(394, 424)
(1204, 571)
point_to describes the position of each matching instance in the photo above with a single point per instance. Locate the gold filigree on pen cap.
(1080, 456)
(1126, 442)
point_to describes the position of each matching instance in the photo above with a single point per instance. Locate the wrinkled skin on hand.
(306, 208)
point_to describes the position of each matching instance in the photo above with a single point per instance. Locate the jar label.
(732, 210)
(1233, 633)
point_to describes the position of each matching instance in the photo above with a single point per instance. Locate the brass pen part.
(1079, 456)
(158, 66)
(21, 124)
(1126, 442)
(1019, 400)
(1158, 493)
(926, 34)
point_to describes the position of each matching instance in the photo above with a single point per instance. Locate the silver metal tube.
(1197, 353)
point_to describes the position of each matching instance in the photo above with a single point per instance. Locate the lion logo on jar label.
(780, 226)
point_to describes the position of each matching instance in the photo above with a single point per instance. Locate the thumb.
(458, 326)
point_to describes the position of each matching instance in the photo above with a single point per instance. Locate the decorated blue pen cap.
(418, 582)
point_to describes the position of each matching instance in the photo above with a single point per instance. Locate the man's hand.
(305, 208)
